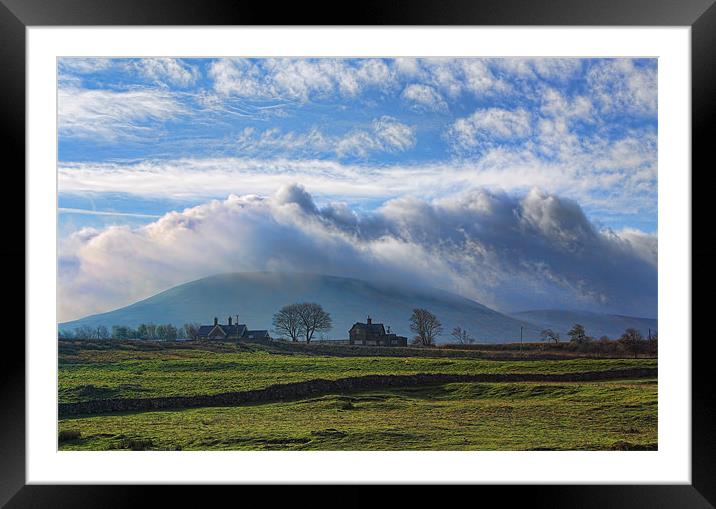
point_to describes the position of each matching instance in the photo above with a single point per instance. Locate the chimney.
(216, 321)
(229, 320)
(369, 320)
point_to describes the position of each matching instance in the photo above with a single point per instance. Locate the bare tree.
(633, 339)
(171, 332)
(313, 319)
(102, 332)
(288, 321)
(151, 330)
(120, 332)
(462, 336)
(549, 335)
(191, 330)
(161, 332)
(84, 332)
(426, 326)
(577, 334)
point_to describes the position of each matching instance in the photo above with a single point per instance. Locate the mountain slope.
(256, 296)
(596, 324)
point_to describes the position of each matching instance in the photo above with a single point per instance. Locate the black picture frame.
(700, 15)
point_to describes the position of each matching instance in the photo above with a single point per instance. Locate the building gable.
(217, 331)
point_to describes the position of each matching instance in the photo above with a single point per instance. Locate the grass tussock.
(67, 435)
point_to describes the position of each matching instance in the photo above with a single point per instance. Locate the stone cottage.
(230, 331)
(374, 334)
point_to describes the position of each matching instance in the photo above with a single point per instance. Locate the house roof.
(229, 330)
(234, 330)
(257, 333)
(376, 328)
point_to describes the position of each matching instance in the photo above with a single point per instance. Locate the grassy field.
(86, 374)
(604, 415)
(465, 416)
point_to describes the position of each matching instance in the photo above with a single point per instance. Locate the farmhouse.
(230, 332)
(374, 334)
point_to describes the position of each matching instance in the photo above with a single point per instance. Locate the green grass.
(142, 371)
(459, 416)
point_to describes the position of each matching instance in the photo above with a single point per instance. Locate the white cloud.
(84, 65)
(394, 135)
(168, 70)
(552, 69)
(480, 244)
(89, 212)
(645, 245)
(621, 87)
(238, 77)
(487, 126)
(252, 141)
(306, 79)
(479, 78)
(559, 69)
(385, 134)
(445, 75)
(555, 104)
(375, 72)
(108, 114)
(299, 79)
(424, 96)
(615, 178)
(406, 66)
(467, 75)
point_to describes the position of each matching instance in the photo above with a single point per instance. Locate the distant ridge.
(596, 324)
(256, 296)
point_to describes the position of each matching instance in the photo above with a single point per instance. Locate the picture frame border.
(700, 15)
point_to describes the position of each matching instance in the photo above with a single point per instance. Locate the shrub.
(68, 434)
(134, 444)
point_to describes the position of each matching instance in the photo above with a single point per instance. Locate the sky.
(521, 183)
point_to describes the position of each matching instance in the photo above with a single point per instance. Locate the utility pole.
(521, 338)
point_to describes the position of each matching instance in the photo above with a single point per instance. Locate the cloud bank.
(609, 178)
(534, 250)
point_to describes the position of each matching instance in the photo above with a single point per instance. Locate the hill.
(596, 324)
(256, 296)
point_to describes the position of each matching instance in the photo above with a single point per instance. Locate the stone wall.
(309, 388)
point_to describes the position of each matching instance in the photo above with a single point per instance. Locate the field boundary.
(297, 390)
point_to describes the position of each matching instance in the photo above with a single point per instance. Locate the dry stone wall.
(309, 388)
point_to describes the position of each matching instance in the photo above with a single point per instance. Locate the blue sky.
(142, 138)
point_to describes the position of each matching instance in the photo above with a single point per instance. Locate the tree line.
(151, 331)
(631, 340)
